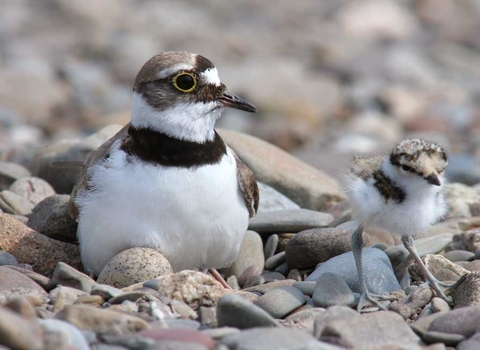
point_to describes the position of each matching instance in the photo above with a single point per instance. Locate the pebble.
(235, 311)
(272, 200)
(254, 281)
(63, 295)
(181, 336)
(270, 246)
(294, 274)
(274, 261)
(303, 184)
(208, 316)
(41, 280)
(134, 265)
(35, 249)
(379, 274)
(248, 273)
(105, 291)
(32, 188)
(331, 314)
(10, 172)
(51, 217)
(459, 255)
(461, 321)
(7, 259)
(304, 319)
(273, 339)
(101, 321)
(17, 332)
(70, 336)
(378, 329)
(472, 343)
(250, 254)
(307, 287)
(283, 269)
(468, 292)
(70, 277)
(13, 283)
(446, 338)
(272, 276)
(232, 281)
(330, 290)
(439, 305)
(308, 248)
(22, 306)
(12, 203)
(264, 288)
(194, 288)
(281, 301)
(289, 221)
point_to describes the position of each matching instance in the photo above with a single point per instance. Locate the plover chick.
(167, 180)
(401, 193)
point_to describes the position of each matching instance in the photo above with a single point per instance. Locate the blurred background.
(329, 77)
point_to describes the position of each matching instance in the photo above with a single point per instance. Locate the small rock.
(379, 274)
(62, 296)
(264, 288)
(181, 336)
(208, 316)
(289, 221)
(272, 276)
(307, 287)
(72, 337)
(283, 269)
(374, 330)
(250, 254)
(248, 273)
(233, 282)
(281, 301)
(41, 280)
(234, 311)
(294, 274)
(468, 292)
(462, 321)
(32, 188)
(436, 263)
(304, 319)
(331, 290)
(469, 241)
(270, 246)
(272, 200)
(194, 288)
(17, 332)
(459, 255)
(51, 217)
(273, 339)
(308, 248)
(133, 266)
(101, 321)
(274, 261)
(448, 339)
(254, 281)
(7, 259)
(459, 197)
(12, 203)
(70, 277)
(331, 314)
(13, 283)
(105, 291)
(439, 305)
(472, 343)
(10, 172)
(22, 306)
(419, 299)
(35, 249)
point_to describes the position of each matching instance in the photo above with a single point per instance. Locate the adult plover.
(167, 180)
(401, 193)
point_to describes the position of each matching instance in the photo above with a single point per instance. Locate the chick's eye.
(406, 167)
(185, 82)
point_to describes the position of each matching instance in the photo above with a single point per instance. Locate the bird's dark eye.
(185, 82)
(406, 167)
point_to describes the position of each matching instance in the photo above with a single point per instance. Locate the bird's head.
(181, 95)
(416, 158)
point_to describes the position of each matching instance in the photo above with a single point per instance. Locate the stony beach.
(329, 80)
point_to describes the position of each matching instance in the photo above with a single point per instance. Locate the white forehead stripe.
(210, 76)
(172, 70)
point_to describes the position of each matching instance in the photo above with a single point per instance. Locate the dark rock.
(308, 248)
(51, 217)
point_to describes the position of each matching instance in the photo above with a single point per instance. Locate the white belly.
(196, 217)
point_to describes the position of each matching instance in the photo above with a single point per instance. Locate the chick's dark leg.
(409, 244)
(357, 246)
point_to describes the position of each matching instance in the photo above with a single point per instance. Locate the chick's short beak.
(433, 179)
(233, 101)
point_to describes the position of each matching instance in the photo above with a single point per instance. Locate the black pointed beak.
(233, 101)
(433, 179)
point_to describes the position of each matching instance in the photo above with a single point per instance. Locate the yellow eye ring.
(185, 82)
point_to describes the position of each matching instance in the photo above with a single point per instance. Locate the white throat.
(186, 121)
